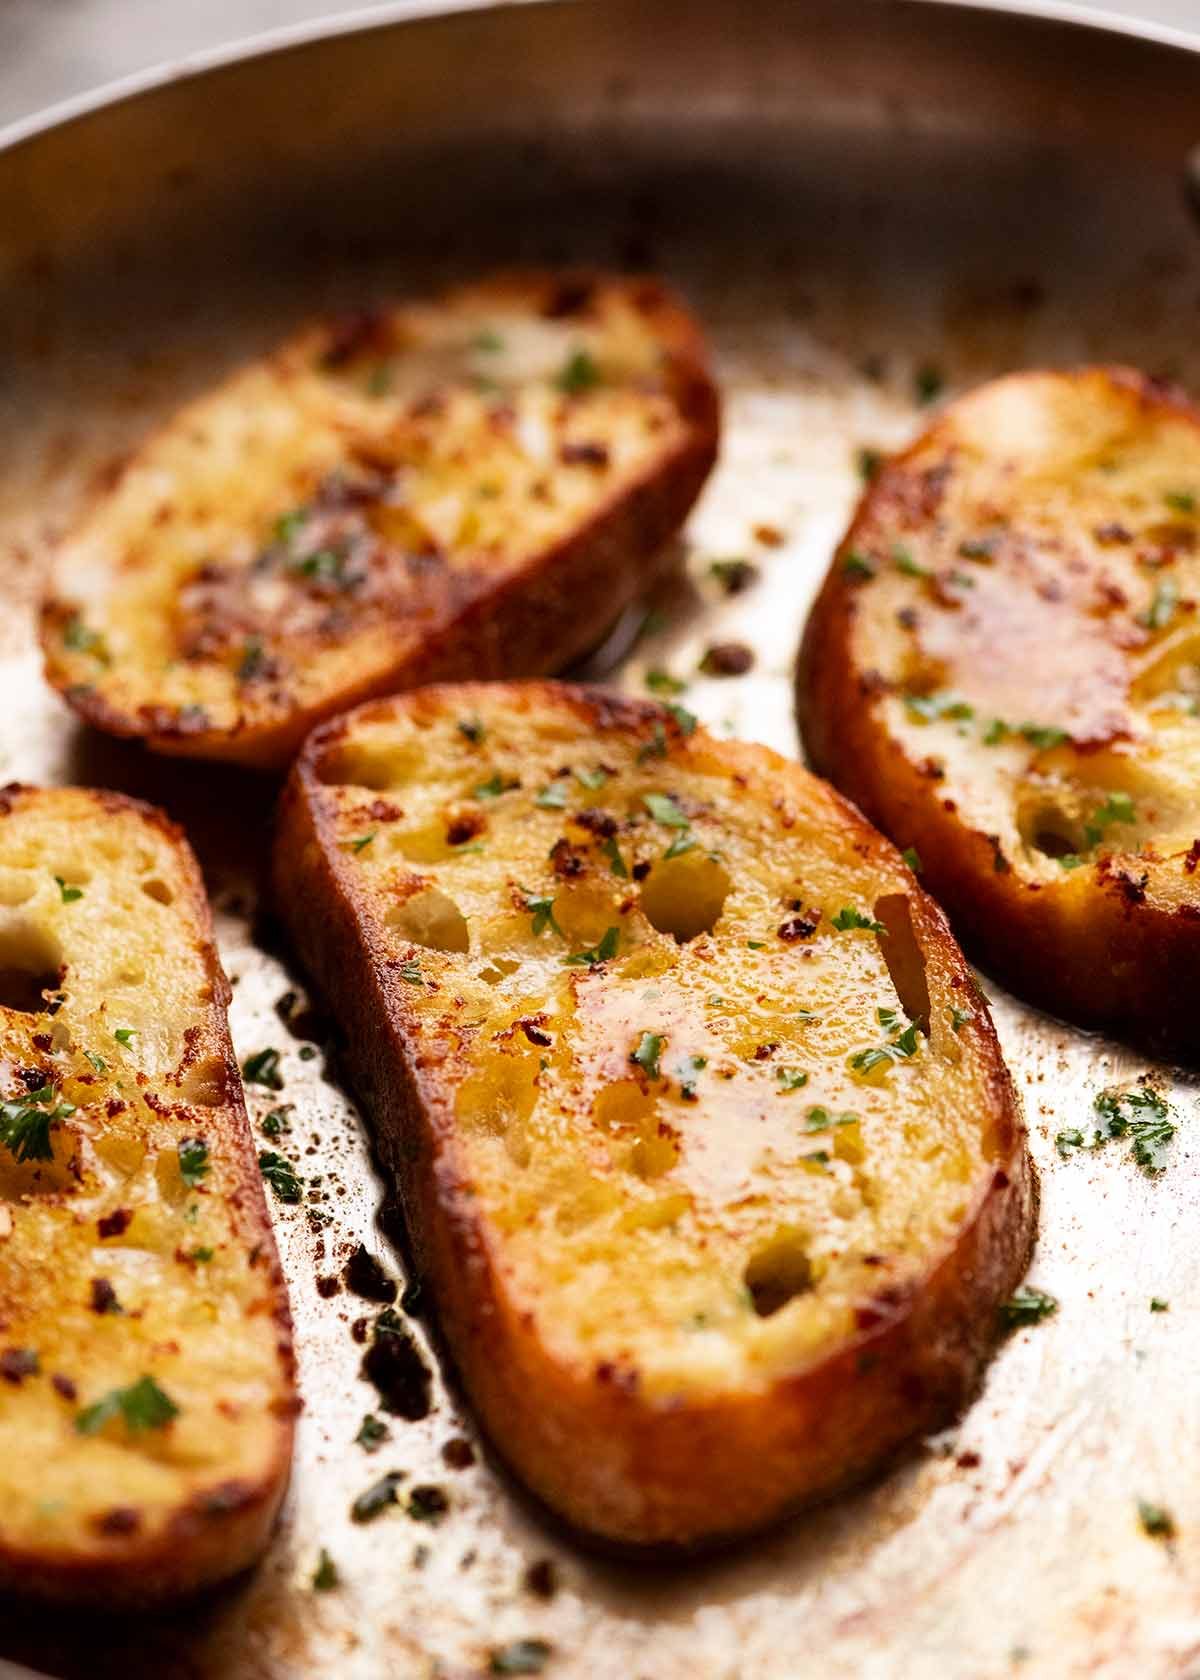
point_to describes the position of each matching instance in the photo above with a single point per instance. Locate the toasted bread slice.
(146, 1382)
(706, 1142)
(473, 486)
(1003, 670)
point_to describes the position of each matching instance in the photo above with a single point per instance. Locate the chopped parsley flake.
(193, 1160)
(363, 841)
(253, 660)
(472, 729)
(685, 721)
(494, 786)
(662, 682)
(125, 1036)
(857, 565)
(960, 1017)
(903, 560)
(80, 639)
(1158, 1305)
(551, 798)
(141, 1406)
(647, 1054)
(377, 1498)
(996, 732)
(927, 708)
(1180, 501)
(1141, 1115)
(848, 917)
(1156, 1520)
(325, 1575)
(663, 808)
(681, 843)
(410, 971)
(868, 462)
(596, 953)
(912, 858)
(591, 779)
(686, 1073)
(276, 1123)
(1162, 606)
(580, 373)
(98, 1062)
(1027, 1306)
(263, 1069)
(287, 526)
(25, 1124)
(69, 894)
(655, 747)
(928, 383)
(1042, 737)
(1117, 808)
(821, 1120)
(280, 1175)
(615, 861)
(542, 911)
(201, 1255)
(372, 1433)
(790, 1078)
(522, 1656)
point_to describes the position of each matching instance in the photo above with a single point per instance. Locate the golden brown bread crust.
(997, 670)
(627, 1468)
(248, 639)
(133, 1516)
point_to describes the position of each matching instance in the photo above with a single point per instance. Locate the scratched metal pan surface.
(860, 199)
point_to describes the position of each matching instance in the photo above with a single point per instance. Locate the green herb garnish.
(410, 972)
(1027, 1306)
(472, 729)
(662, 682)
(857, 565)
(263, 1069)
(1041, 736)
(125, 1036)
(522, 1656)
(912, 858)
(363, 841)
(791, 1078)
(1162, 606)
(280, 1175)
(821, 1120)
(686, 1073)
(69, 894)
(647, 1054)
(591, 779)
(325, 1575)
(580, 373)
(141, 1406)
(615, 861)
(495, 786)
(98, 1062)
(377, 1498)
(1180, 501)
(685, 721)
(551, 798)
(848, 917)
(193, 1160)
(596, 953)
(25, 1124)
(1156, 1520)
(372, 1433)
(542, 911)
(1141, 1115)
(663, 808)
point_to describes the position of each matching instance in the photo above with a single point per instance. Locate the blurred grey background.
(53, 49)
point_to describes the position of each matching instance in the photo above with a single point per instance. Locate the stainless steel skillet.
(863, 199)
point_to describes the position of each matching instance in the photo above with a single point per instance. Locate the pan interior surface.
(870, 206)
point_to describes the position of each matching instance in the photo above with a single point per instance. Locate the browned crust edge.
(1126, 968)
(549, 613)
(633, 1475)
(222, 1529)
